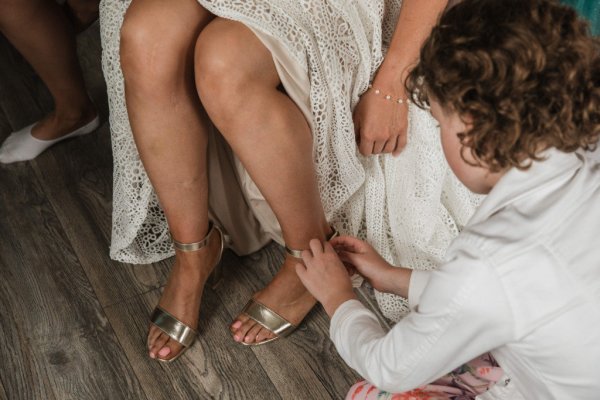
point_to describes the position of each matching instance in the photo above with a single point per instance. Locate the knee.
(151, 53)
(220, 64)
(137, 46)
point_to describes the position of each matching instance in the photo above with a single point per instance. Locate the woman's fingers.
(390, 145)
(365, 146)
(380, 124)
(379, 146)
(400, 143)
(394, 144)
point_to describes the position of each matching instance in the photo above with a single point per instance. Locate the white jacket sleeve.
(418, 282)
(463, 312)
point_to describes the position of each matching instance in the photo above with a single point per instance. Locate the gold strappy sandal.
(165, 321)
(268, 318)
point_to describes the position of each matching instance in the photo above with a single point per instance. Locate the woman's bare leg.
(42, 34)
(237, 82)
(157, 48)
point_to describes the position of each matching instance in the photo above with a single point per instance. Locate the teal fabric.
(590, 9)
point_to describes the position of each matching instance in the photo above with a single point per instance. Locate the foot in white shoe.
(22, 146)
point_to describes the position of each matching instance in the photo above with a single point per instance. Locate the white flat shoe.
(22, 146)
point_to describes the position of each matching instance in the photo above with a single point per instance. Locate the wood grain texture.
(58, 334)
(77, 178)
(73, 323)
(3, 395)
(304, 363)
(215, 367)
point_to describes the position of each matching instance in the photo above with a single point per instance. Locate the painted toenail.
(152, 355)
(236, 324)
(236, 338)
(165, 351)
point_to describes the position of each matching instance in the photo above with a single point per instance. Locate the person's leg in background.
(40, 31)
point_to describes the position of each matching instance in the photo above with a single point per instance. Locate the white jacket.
(522, 281)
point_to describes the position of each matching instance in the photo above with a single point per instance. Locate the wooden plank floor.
(73, 322)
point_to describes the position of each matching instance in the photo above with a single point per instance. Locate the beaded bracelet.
(389, 97)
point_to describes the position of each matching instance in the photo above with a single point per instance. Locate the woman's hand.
(367, 262)
(324, 275)
(380, 124)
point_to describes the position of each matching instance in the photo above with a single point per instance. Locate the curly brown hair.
(527, 72)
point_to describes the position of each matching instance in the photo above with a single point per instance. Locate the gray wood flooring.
(73, 322)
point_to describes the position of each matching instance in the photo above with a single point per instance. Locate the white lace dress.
(326, 53)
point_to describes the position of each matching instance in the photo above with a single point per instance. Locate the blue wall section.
(589, 9)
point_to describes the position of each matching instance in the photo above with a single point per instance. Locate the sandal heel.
(169, 324)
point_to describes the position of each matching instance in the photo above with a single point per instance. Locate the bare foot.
(58, 124)
(182, 295)
(286, 295)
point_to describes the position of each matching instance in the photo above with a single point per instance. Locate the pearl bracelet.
(389, 97)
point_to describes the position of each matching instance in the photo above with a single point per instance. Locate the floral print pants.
(464, 383)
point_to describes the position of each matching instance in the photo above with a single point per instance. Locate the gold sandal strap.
(186, 247)
(298, 253)
(268, 318)
(294, 253)
(173, 327)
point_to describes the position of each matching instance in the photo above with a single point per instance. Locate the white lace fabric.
(408, 207)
